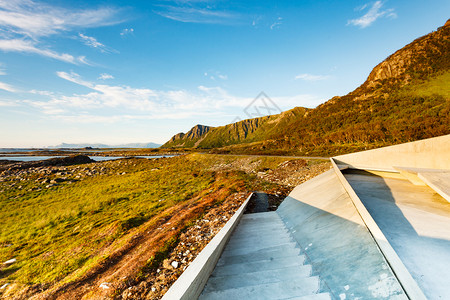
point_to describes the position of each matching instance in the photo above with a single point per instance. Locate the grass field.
(58, 233)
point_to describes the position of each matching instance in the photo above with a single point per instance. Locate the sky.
(118, 72)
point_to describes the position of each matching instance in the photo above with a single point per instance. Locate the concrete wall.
(431, 153)
(325, 223)
(191, 283)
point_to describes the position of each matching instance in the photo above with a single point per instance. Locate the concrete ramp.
(323, 220)
(263, 261)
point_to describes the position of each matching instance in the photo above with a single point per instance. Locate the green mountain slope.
(406, 97)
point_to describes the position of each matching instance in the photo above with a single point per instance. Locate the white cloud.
(105, 76)
(127, 31)
(42, 93)
(36, 19)
(375, 12)
(26, 46)
(7, 103)
(92, 42)
(190, 12)
(276, 24)
(310, 77)
(117, 103)
(125, 100)
(23, 24)
(215, 74)
(7, 87)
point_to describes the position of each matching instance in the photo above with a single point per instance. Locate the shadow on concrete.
(259, 202)
(323, 220)
(409, 216)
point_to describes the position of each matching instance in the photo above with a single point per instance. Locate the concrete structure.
(262, 261)
(416, 222)
(374, 227)
(431, 153)
(190, 284)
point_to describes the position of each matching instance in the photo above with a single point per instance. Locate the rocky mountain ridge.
(189, 138)
(405, 98)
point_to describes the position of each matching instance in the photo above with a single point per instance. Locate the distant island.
(130, 145)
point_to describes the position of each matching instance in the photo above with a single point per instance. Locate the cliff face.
(249, 130)
(189, 138)
(197, 131)
(423, 57)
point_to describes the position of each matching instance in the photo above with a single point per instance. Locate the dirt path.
(124, 264)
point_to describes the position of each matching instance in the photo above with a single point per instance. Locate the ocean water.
(9, 150)
(96, 158)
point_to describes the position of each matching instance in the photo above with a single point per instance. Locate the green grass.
(59, 233)
(57, 230)
(438, 85)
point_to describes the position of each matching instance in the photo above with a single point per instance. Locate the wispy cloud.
(197, 12)
(105, 76)
(213, 75)
(2, 70)
(93, 43)
(311, 77)
(8, 103)
(127, 31)
(27, 46)
(375, 12)
(7, 87)
(36, 19)
(277, 23)
(23, 24)
(42, 93)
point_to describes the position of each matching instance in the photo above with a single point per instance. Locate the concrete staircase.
(262, 261)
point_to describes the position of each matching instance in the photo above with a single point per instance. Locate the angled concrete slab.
(438, 181)
(415, 220)
(339, 247)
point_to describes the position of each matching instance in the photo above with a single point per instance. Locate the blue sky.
(139, 71)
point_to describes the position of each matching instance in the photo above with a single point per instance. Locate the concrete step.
(261, 217)
(259, 226)
(259, 232)
(264, 215)
(321, 296)
(276, 290)
(262, 265)
(258, 240)
(251, 249)
(257, 278)
(259, 255)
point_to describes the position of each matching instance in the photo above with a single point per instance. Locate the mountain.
(405, 98)
(190, 138)
(131, 145)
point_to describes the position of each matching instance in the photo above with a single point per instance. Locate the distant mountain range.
(131, 145)
(405, 98)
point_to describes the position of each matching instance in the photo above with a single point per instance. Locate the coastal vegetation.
(63, 225)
